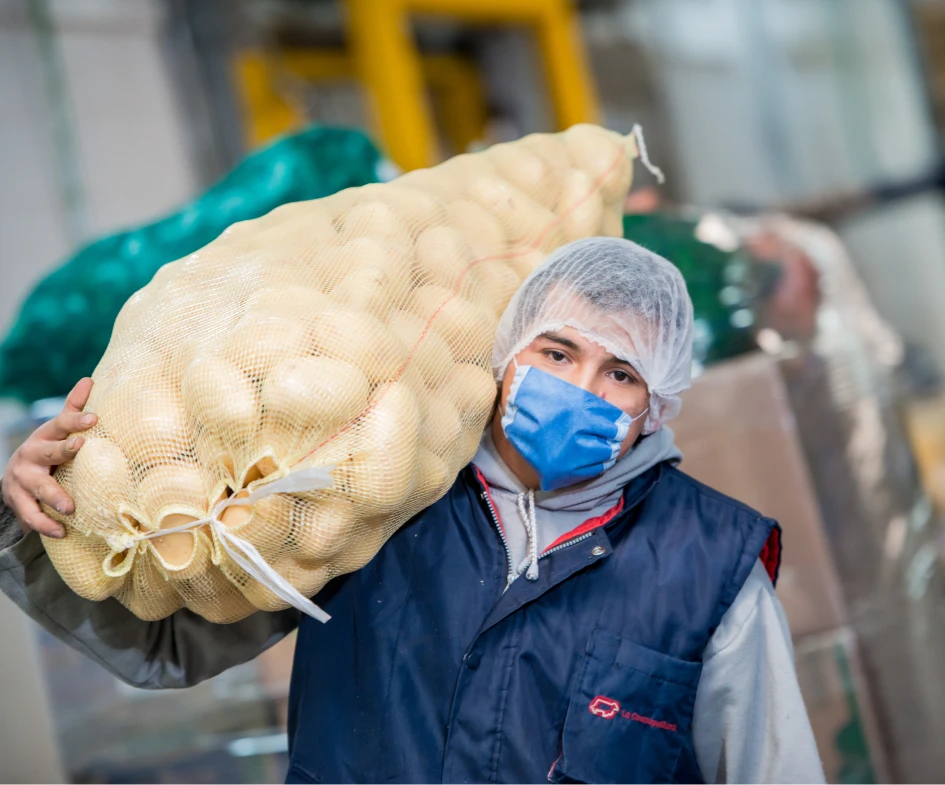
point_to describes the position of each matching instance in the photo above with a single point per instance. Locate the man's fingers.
(54, 453)
(31, 517)
(52, 494)
(66, 423)
(79, 396)
(71, 418)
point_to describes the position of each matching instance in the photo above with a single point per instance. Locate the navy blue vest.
(427, 672)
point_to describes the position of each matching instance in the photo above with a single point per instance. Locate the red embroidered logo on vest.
(608, 708)
(604, 707)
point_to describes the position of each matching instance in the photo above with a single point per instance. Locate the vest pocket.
(629, 716)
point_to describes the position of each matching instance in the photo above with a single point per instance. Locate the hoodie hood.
(532, 520)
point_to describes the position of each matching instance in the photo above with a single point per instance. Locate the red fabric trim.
(485, 487)
(771, 554)
(589, 525)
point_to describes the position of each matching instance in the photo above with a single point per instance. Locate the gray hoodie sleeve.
(750, 722)
(178, 651)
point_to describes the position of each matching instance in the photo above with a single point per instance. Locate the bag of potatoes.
(272, 407)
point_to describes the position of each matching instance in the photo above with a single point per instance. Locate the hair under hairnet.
(622, 297)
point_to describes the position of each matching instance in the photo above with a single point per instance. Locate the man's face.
(570, 356)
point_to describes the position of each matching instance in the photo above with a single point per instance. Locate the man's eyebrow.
(555, 338)
(612, 358)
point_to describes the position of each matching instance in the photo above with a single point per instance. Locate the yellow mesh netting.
(342, 342)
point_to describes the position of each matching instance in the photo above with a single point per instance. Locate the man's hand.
(27, 480)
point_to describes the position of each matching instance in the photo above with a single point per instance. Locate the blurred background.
(802, 144)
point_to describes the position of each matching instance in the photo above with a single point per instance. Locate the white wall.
(129, 143)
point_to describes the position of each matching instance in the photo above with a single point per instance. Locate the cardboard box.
(738, 435)
(838, 704)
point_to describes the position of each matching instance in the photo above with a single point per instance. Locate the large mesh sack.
(272, 407)
(64, 324)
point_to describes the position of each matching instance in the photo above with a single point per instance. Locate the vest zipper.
(505, 544)
(498, 528)
(567, 544)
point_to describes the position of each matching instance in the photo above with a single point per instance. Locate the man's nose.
(588, 379)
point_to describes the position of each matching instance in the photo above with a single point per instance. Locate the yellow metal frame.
(385, 61)
(453, 80)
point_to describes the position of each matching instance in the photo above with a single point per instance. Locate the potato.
(366, 252)
(305, 578)
(374, 219)
(206, 589)
(612, 224)
(184, 324)
(417, 208)
(524, 261)
(358, 339)
(99, 481)
(311, 217)
(441, 425)
(367, 290)
(260, 342)
(323, 525)
(381, 473)
(305, 399)
(494, 283)
(472, 391)
(443, 256)
(78, 559)
(146, 593)
(580, 207)
(176, 550)
(525, 221)
(436, 182)
(177, 487)
(480, 229)
(467, 328)
(287, 300)
(435, 477)
(526, 170)
(148, 424)
(602, 155)
(550, 147)
(218, 396)
(426, 350)
(267, 524)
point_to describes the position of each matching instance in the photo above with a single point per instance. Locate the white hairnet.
(622, 297)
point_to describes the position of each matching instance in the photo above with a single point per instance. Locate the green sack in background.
(65, 323)
(725, 285)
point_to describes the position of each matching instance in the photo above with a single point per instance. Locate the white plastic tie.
(310, 478)
(644, 158)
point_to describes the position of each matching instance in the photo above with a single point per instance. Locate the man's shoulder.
(687, 489)
(711, 514)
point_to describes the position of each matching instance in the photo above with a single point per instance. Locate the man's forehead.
(576, 337)
(627, 330)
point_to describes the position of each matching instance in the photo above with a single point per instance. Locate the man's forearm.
(178, 651)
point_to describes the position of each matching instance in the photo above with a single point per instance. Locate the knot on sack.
(122, 541)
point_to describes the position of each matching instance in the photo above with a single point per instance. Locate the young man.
(574, 609)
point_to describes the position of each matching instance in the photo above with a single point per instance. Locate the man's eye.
(622, 377)
(555, 356)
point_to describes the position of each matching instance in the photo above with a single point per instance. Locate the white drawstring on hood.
(526, 509)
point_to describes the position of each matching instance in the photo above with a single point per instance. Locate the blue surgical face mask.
(566, 433)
